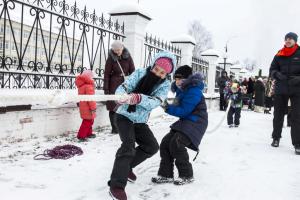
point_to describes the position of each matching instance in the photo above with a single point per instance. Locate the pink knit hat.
(88, 73)
(165, 63)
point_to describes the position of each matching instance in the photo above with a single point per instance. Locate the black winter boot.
(161, 179)
(183, 180)
(297, 149)
(275, 143)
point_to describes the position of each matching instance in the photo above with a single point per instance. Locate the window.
(13, 46)
(17, 32)
(46, 38)
(6, 45)
(26, 34)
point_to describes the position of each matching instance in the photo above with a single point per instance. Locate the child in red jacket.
(86, 86)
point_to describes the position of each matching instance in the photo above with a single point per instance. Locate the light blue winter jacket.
(148, 103)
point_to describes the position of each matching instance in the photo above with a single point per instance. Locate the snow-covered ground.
(233, 164)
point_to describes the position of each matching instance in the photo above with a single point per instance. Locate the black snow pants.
(173, 147)
(128, 156)
(237, 115)
(280, 106)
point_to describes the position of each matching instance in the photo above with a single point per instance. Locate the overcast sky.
(258, 26)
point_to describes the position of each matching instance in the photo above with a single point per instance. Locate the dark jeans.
(237, 115)
(173, 147)
(128, 156)
(112, 119)
(280, 107)
(222, 102)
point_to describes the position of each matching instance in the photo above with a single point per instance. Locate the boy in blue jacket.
(189, 105)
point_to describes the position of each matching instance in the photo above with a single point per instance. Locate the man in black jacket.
(222, 84)
(285, 69)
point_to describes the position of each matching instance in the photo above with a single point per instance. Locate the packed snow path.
(233, 164)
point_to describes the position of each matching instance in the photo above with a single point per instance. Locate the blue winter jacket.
(189, 105)
(148, 103)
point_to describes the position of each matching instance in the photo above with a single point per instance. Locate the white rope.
(221, 121)
(51, 97)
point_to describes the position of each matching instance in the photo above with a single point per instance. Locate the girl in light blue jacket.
(147, 89)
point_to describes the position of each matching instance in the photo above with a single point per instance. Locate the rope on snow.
(60, 152)
(221, 121)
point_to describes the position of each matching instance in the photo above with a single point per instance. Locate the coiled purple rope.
(60, 152)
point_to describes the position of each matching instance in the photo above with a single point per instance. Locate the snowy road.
(233, 164)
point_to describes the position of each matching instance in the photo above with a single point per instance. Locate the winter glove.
(135, 99)
(280, 76)
(294, 81)
(165, 105)
(131, 99)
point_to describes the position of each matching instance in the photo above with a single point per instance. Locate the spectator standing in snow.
(250, 91)
(86, 86)
(269, 96)
(285, 69)
(236, 104)
(119, 64)
(189, 105)
(259, 95)
(222, 84)
(245, 82)
(147, 89)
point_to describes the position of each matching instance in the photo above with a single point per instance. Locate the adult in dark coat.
(245, 82)
(259, 91)
(269, 96)
(222, 84)
(250, 92)
(189, 105)
(250, 89)
(285, 69)
(113, 75)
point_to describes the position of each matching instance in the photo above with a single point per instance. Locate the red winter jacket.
(85, 86)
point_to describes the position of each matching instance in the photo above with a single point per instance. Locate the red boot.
(118, 193)
(131, 177)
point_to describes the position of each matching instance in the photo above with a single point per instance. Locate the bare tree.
(250, 64)
(202, 36)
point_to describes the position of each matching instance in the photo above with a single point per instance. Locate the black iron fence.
(200, 65)
(46, 43)
(154, 45)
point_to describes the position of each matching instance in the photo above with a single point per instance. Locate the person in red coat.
(86, 86)
(119, 64)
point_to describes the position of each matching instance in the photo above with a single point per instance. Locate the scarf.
(286, 52)
(145, 86)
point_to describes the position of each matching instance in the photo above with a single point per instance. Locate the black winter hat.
(291, 35)
(183, 72)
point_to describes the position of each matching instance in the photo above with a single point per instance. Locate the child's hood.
(83, 79)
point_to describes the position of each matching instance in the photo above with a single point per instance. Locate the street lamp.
(225, 56)
(226, 50)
